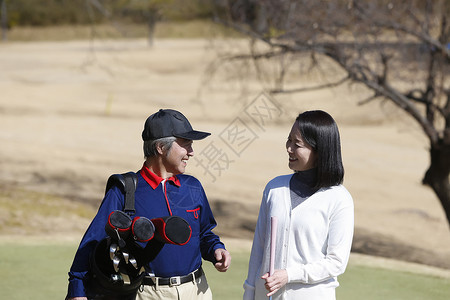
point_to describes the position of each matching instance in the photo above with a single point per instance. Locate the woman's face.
(301, 155)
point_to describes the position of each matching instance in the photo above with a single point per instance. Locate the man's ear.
(159, 148)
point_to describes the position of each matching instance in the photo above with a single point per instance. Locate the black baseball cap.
(169, 122)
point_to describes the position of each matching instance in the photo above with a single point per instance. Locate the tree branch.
(418, 34)
(311, 88)
(369, 99)
(402, 101)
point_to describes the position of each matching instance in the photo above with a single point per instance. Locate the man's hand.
(275, 282)
(223, 259)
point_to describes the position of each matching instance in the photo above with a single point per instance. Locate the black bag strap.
(127, 183)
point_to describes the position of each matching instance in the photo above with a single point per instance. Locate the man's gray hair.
(150, 146)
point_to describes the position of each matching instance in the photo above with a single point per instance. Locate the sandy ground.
(71, 114)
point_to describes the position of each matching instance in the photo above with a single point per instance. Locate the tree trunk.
(151, 30)
(152, 18)
(4, 21)
(437, 175)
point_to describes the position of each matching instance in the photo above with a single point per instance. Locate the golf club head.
(133, 262)
(126, 278)
(112, 250)
(142, 229)
(173, 230)
(126, 256)
(116, 279)
(118, 225)
(116, 262)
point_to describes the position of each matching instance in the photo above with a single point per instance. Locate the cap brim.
(193, 135)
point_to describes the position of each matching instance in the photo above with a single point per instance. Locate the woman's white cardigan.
(313, 241)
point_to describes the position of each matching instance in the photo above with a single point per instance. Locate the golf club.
(125, 256)
(112, 250)
(116, 262)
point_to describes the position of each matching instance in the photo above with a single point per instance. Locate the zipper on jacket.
(165, 195)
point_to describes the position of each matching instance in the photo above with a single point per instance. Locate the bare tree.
(148, 11)
(398, 50)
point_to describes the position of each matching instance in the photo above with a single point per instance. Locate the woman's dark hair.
(320, 131)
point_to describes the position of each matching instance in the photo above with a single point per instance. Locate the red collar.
(154, 180)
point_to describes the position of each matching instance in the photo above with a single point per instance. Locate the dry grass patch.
(28, 212)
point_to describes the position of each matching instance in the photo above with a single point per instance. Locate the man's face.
(175, 159)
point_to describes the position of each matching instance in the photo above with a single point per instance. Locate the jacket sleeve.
(78, 273)
(340, 236)
(257, 252)
(209, 241)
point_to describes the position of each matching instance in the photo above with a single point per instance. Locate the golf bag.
(118, 261)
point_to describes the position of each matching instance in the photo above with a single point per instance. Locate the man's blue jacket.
(181, 195)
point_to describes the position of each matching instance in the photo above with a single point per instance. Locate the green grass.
(228, 285)
(367, 283)
(34, 271)
(40, 272)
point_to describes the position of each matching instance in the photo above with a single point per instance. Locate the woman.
(315, 218)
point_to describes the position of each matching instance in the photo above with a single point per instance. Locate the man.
(162, 190)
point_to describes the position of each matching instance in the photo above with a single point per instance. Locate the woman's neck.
(303, 183)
